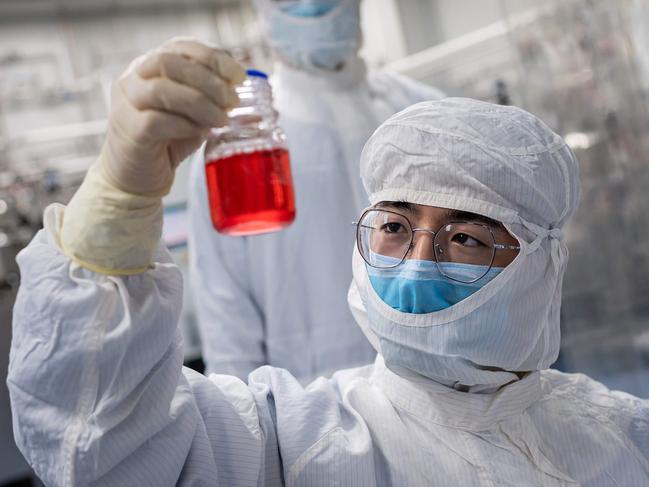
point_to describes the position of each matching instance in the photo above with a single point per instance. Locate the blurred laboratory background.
(581, 65)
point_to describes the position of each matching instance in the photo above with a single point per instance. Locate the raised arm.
(98, 392)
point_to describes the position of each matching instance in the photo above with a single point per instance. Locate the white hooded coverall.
(100, 397)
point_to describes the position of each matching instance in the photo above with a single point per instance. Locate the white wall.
(426, 23)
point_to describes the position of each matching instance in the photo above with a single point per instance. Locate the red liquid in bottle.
(251, 193)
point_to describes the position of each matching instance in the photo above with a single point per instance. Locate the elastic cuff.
(109, 231)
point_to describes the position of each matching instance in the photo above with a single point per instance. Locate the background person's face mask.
(417, 286)
(314, 34)
(306, 8)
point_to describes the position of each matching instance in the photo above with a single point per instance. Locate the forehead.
(424, 212)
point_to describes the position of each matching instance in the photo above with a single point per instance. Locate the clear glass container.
(247, 166)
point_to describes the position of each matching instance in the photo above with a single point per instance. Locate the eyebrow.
(399, 205)
(450, 214)
(473, 217)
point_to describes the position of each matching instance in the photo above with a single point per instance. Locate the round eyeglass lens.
(464, 251)
(383, 238)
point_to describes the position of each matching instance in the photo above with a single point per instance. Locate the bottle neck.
(255, 110)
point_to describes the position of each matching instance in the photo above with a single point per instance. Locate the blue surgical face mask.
(315, 34)
(417, 286)
(305, 8)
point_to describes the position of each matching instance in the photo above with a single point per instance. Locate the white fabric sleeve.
(99, 395)
(401, 91)
(230, 321)
(415, 90)
(622, 412)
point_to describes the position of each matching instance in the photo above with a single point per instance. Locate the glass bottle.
(247, 165)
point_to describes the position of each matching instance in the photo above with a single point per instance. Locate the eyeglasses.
(385, 237)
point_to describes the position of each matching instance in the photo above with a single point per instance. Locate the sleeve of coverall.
(230, 322)
(400, 91)
(414, 91)
(98, 392)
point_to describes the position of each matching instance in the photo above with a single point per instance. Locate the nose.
(422, 246)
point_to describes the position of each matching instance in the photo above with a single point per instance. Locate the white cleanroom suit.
(100, 396)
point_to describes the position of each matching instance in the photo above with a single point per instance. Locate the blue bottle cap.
(256, 73)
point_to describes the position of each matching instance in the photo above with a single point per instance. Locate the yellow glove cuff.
(109, 231)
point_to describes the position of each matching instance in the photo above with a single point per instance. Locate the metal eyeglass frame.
(497, 246)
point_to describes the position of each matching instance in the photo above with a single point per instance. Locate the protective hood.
(320, 42)
(500, 162)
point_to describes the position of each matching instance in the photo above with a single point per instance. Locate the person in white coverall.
(254, 303)
(457, 285)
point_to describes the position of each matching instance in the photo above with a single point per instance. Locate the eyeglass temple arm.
(506, 247)
(364, 226)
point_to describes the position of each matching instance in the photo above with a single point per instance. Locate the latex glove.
(161, 110)
(162, 107)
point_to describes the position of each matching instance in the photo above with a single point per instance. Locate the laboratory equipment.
(247, 166)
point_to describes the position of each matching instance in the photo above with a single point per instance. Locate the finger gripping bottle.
(247, 166)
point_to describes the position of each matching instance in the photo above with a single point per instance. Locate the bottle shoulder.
(227, 142)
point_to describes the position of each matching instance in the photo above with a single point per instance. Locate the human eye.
(393, 227)
(466, 240)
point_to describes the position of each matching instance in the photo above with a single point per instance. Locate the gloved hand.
(161, 109)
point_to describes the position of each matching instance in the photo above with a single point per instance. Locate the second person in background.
(255, 302)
